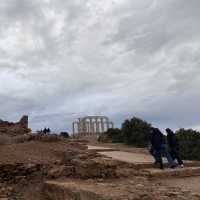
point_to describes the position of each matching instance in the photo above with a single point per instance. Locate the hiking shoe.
(161, 166)
(173, 166)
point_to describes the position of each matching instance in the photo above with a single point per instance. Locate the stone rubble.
(14, 129)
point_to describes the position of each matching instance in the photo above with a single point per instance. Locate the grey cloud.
(69, 58)
(165, 24)
(20, 9)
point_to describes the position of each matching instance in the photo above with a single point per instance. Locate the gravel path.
(129, 157)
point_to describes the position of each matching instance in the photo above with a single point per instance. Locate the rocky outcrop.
(14, 129)
(13, 173)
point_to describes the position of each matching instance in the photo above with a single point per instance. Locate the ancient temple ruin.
(14, 129)
(92, 125)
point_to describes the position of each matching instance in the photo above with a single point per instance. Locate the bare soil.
(34, 152)
(47, 165)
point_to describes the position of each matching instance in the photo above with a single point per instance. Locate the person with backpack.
(174, 147)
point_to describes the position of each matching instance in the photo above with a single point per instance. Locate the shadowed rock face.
(14, 129)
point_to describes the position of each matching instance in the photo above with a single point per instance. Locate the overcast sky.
(63, 59)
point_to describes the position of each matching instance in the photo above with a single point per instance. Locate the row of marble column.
(92, 125)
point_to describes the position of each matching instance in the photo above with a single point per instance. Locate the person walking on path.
(155, 143)
(174, 146)
(159, 148)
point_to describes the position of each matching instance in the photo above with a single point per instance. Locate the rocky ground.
(46, 166)
(136, 188)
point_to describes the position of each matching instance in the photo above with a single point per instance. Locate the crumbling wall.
(14, 129)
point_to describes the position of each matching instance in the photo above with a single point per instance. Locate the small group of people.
(45, 131)
(160, 148)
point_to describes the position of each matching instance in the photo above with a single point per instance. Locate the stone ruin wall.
(14, 129)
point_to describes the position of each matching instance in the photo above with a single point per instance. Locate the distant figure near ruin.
(91, 125)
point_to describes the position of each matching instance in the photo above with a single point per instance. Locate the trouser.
(158, 157)
(156, 153)
(152, 151)
(176, 156)
(162, 151)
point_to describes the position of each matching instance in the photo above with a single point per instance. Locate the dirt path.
(121, 155)
(129, 157)
(120, 147)
(91, 147)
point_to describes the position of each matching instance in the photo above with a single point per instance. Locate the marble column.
(90, 127)
(112, 125)
(73, 127)
(102, 125)
(97, 125)
(84, 127)
(79, 125)
(107, 124)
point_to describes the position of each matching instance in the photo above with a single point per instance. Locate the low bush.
(136, 132)
(64, 134)
(189, 141)
(111, 135)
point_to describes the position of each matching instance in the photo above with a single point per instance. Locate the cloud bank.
(64, 59)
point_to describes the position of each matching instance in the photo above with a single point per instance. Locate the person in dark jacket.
(155, 139)
(159, 148)
(174, 146)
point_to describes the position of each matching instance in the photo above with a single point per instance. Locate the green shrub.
(115, 135)
(189, 141)
(111, 135)
(104, 138)
(64, 134)
(136, 132)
